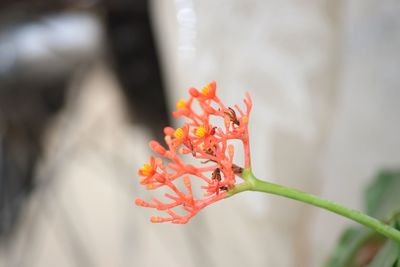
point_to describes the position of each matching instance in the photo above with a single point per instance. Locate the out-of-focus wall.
(286, 55)
(324, 76)
(365, 132)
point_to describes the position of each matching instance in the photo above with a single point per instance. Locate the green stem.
(253, 184)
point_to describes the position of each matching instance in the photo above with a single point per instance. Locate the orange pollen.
(146, 169)
(200, 131)
(179, 133)
(181, 104)
(206, 90)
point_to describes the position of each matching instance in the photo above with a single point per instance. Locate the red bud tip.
(156, 219)
(213, 85)
(169, 131)
(194, 92)
(141, 202)
(156, 147)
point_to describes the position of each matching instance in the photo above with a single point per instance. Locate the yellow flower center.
(179, 133)
(200, 131)
(181, 104)
(206, 90)
(146, 169)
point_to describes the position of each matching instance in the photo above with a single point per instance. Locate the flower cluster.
(209, 144)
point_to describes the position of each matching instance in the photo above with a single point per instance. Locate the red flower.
(210, 144)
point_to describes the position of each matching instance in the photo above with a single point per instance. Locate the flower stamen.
(181, 104)
(145, 170)
(179, 134)
(200, 131)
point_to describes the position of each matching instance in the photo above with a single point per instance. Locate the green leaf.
(359, 246)
(354, 247)
(382, 197)
(388, 256)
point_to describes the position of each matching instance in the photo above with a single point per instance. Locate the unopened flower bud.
(169, 130)
(141, 202)
(156, 219)
(194, 92)
(156, 147)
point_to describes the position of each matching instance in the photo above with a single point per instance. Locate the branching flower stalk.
(212, 146)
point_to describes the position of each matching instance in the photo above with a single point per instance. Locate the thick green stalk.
(253, 184)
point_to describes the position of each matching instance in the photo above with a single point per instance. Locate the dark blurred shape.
(25, 111)
(41, 46)
(37, 59)
(133, 50)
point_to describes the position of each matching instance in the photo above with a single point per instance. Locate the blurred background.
(85, 84)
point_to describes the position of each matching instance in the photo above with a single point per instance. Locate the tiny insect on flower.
(209, 144)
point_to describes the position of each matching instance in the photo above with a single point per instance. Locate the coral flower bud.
(156, 147)
(169, 131)
(194, 92)
(141, 202)
(156, 219)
